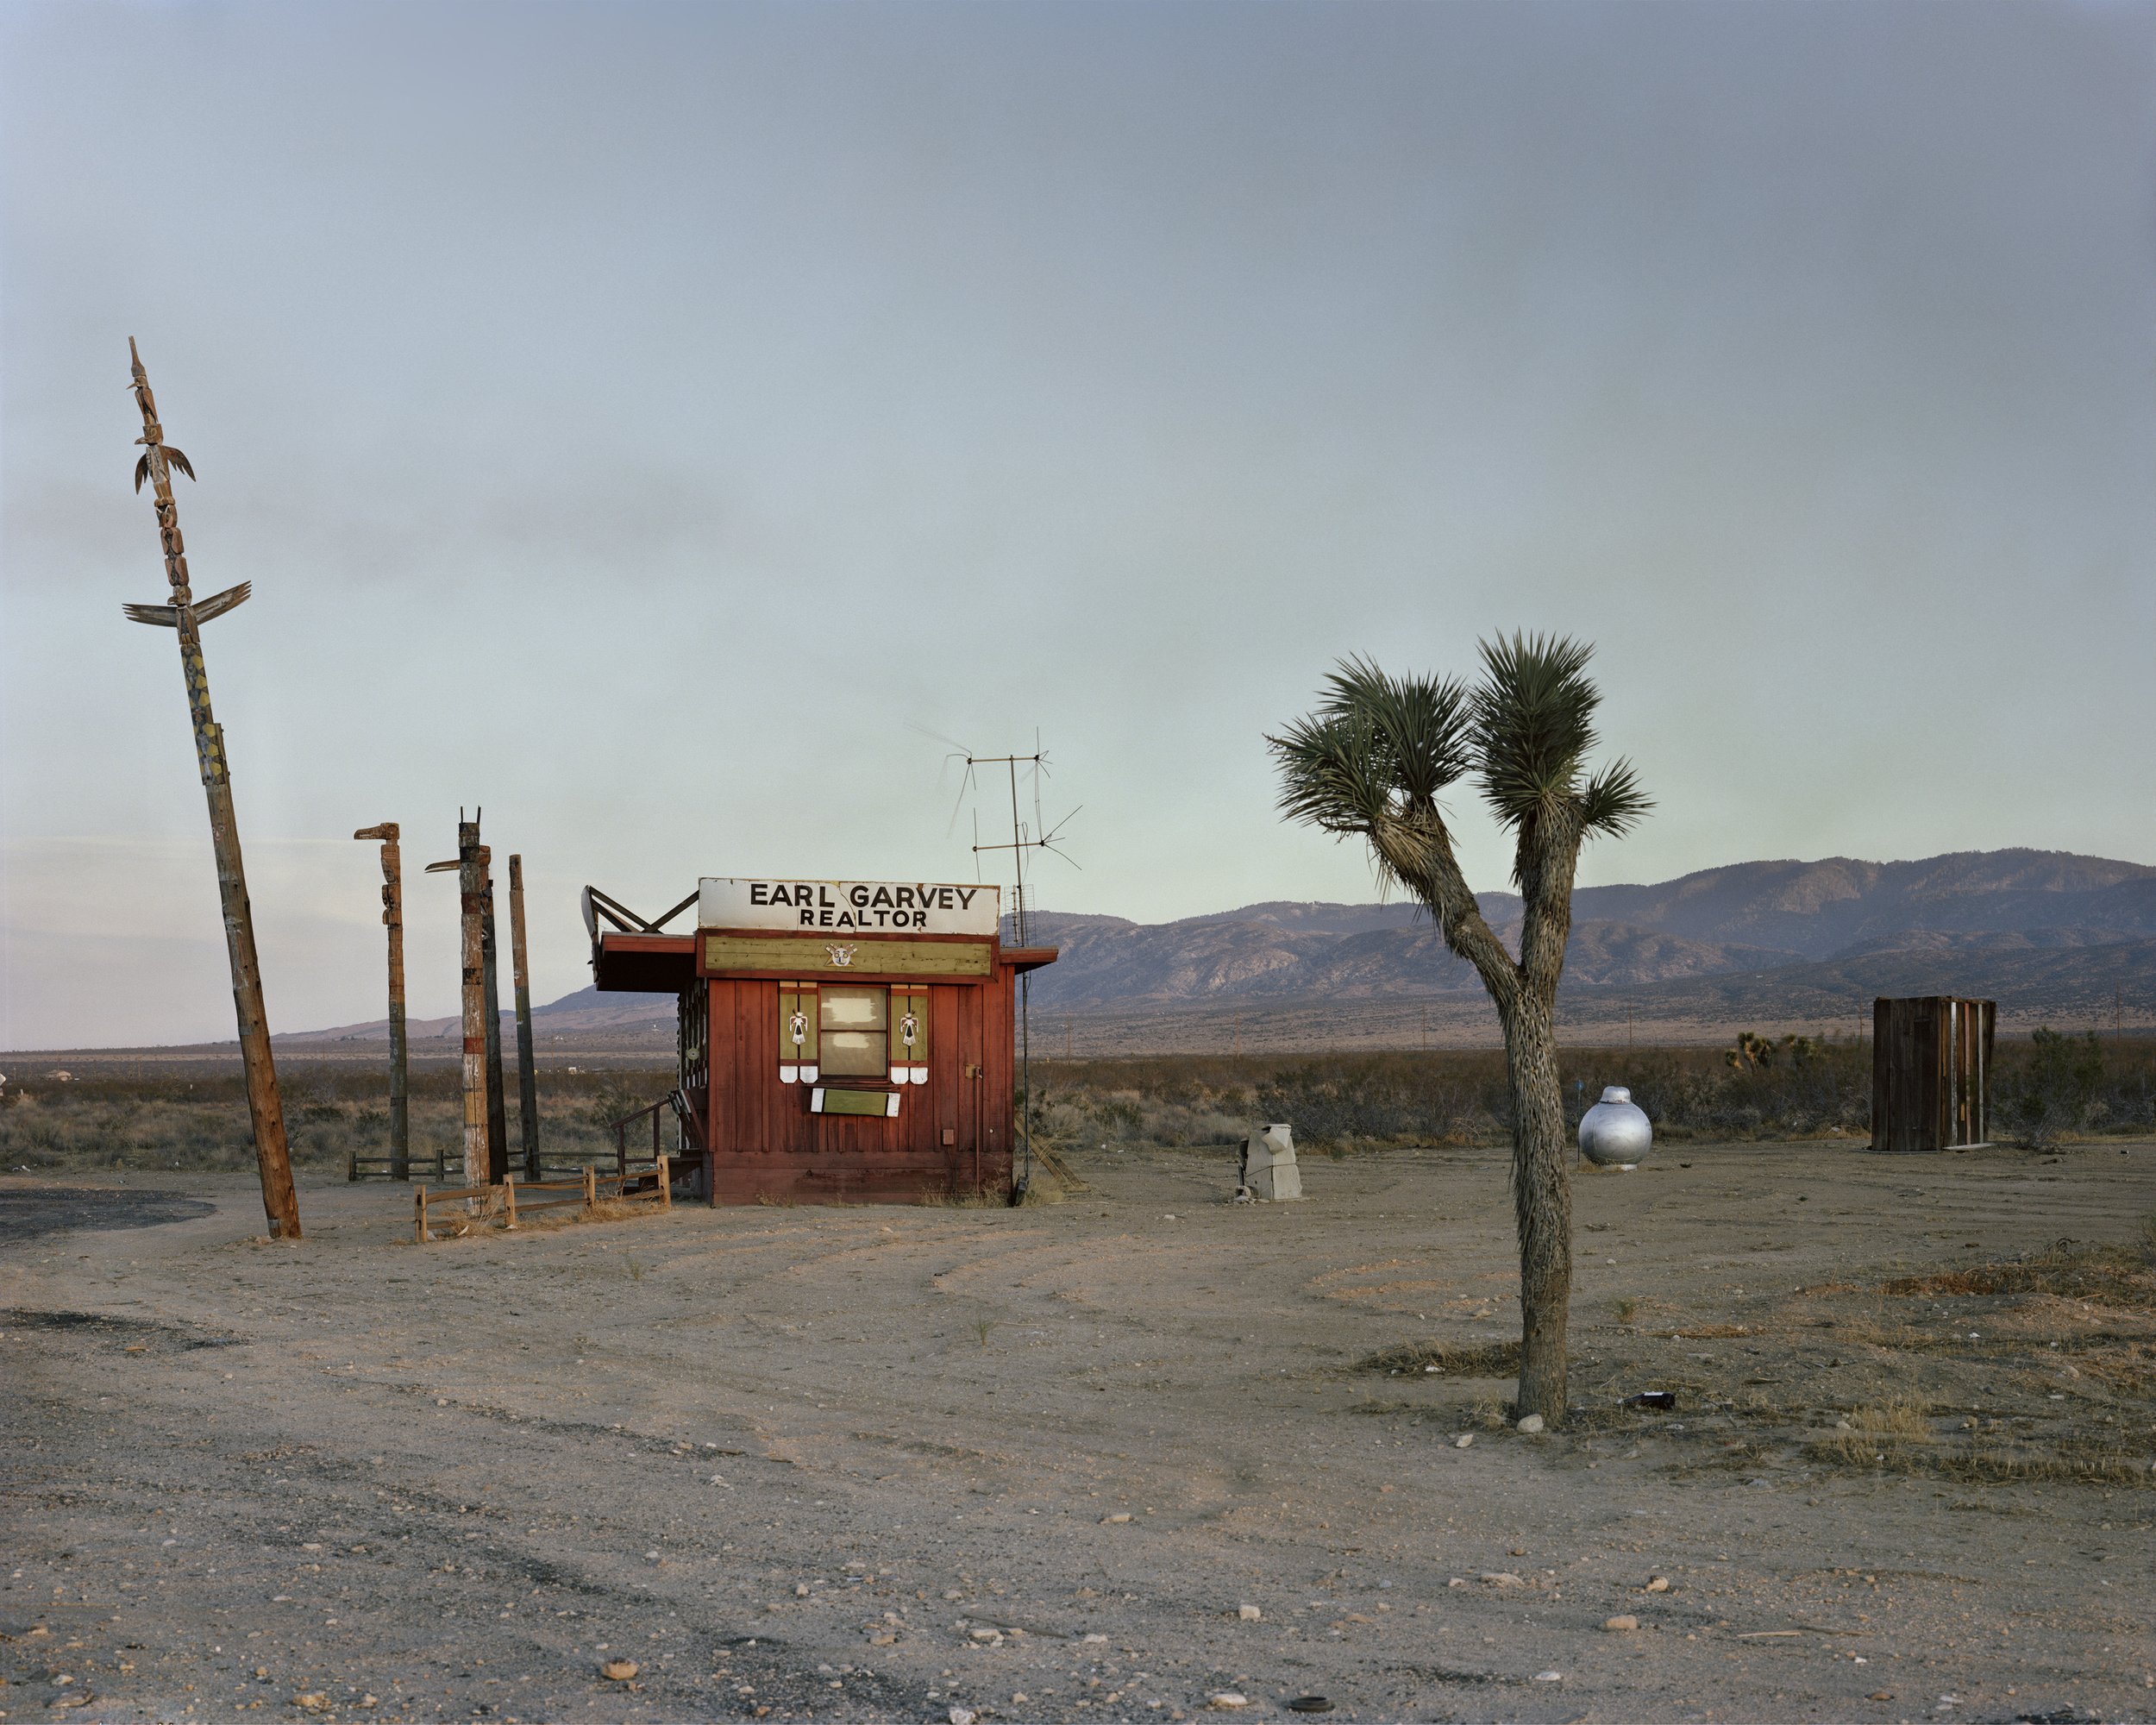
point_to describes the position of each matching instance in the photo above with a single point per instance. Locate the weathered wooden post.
(497, 1103)
(393, 919)
(527, 1077)
(471, 870)
(185, 615)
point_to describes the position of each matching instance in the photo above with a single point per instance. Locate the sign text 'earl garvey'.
(857, 906)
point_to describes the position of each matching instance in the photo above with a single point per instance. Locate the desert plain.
(1123, 1457)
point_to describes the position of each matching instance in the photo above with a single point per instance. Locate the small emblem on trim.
(842, 956)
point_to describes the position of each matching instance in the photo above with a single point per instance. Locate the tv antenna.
(1025, 839)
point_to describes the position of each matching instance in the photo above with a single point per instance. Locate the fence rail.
(358, 1167)
(486, 1205)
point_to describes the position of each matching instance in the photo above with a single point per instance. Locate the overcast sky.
(648, 421)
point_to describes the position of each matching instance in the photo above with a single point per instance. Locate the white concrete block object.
(1268, 1166)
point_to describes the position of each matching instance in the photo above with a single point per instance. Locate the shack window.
(856, 1027)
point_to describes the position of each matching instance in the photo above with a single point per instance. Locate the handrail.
(598, 904)
(677, 1100)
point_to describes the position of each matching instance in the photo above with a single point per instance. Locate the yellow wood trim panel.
(725, 954)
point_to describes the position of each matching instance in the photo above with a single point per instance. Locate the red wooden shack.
(840, 1041)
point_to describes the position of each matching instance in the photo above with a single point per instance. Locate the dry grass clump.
(966, 1198)
(1444, 1359)
(1897, 1436)
(1867, 1435)
(2074, 1270)
(1488, 1414)
(2125, 1367)
(2082, 1461)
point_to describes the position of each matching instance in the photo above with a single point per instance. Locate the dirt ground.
(915, 1463)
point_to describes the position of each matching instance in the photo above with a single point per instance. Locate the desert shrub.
(147, 1116)
(1372, 1098)
(1452, 1096)
(2053, 1090)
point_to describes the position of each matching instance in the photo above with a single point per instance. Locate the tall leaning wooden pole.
(184, 615)
(393, 920)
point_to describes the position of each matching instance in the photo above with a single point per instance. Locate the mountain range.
(2049, 935)
(1966, 918)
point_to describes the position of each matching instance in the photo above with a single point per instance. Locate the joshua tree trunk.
(1525, 994)
(1542, 1204)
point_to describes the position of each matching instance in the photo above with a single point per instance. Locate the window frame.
(879, 1075)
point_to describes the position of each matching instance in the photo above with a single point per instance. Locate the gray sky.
(638, 418)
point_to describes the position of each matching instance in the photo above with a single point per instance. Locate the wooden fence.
(358, 1167)
(486, 1205)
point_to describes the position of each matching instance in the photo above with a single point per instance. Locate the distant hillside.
(583, 1013)
(2020, 919)
(2044, 932)
(1821, 910)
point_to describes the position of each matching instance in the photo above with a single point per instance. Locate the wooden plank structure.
(498, 1205)
(1931, 1072)
(840, 1041)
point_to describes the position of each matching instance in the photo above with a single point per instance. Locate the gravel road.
(876, 1464)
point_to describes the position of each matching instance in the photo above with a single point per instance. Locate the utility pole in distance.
(527, 1079)
(393, 919)
(184, 615)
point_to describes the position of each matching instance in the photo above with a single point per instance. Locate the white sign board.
(859, 907)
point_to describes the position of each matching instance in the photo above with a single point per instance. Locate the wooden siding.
(952, 1135)
(1931, 1072)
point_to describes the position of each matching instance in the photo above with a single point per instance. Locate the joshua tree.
(1373, 761)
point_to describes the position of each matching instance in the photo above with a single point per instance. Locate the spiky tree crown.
(1380, 749)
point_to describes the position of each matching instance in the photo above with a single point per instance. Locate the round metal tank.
(1615, 1132)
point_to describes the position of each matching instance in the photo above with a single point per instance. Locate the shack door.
(960, 1091)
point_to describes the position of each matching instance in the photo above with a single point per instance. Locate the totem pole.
(186, 615)
(486, 1125)
(393, 919)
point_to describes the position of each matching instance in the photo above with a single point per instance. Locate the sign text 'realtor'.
(855, 907)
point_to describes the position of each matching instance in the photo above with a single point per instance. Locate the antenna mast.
(1023, 841)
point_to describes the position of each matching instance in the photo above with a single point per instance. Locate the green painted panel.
(875, 1102)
